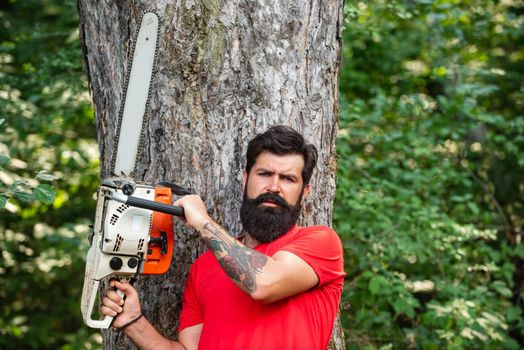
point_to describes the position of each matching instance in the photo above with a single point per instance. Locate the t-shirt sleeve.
(191, 313)
(320, 248)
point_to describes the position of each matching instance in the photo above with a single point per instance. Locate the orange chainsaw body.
(159, 256)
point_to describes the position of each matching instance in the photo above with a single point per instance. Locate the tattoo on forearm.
(240, 263)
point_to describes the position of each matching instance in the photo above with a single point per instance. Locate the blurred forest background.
(430, 182)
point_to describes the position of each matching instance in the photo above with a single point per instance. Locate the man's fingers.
(110, 304)
(104, 310)
(113, 296)
(125, 287)
(113, 304)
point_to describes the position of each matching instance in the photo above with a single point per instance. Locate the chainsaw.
(133, 229)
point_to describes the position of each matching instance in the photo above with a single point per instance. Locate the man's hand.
(195, 211)
(114, 305)
(142, 333)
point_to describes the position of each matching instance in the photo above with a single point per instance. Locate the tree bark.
(226, 70)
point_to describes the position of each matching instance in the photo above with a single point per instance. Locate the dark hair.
(282, 140)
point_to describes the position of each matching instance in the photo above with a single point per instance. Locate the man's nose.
(274, 185)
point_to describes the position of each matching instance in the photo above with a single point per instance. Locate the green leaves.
(3, 201)
(405, 306)
(430, 173)
(379, 285)
(26, 191)
(23, 196)
(44, 193)
(45, 176)
(46, 122)
(4, 159)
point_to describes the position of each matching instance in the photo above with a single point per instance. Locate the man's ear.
(305, 192)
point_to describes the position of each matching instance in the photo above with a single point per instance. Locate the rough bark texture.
(225, 71)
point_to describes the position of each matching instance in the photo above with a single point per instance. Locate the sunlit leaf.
(4, 159)
(44, 193)
(24, 196)
(45, 176)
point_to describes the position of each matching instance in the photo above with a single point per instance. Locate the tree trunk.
(226, 70)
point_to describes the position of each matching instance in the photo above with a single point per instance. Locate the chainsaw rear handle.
(88, 301)
(147, 204)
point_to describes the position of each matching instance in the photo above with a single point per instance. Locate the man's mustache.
(271, 197)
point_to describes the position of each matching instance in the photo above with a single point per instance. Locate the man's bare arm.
(264, 278)
(146, 337)
(141, 332)
(241, 263)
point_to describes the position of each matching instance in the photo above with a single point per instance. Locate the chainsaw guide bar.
(131, 119)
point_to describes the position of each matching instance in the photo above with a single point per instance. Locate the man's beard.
(265, 224)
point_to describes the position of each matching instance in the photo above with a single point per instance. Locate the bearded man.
(276, 287)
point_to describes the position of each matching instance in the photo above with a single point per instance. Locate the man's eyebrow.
(265, 170)
(290, 176)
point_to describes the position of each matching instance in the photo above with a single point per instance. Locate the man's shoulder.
(319, 229)
(317, 233)
(311, 236)
(321, 248)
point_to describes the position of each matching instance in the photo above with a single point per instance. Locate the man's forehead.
(286, 162)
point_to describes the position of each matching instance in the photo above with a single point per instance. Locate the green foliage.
(431, 170)
(48, 174)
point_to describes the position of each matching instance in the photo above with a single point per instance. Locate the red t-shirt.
(232, 320)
